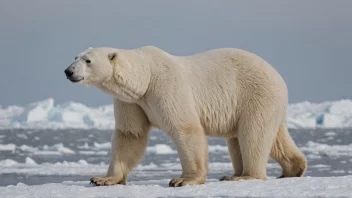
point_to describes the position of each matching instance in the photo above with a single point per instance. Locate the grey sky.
(308, 42)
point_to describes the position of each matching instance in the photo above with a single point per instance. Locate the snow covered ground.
(295, 187)
(49, 150)
(60, 162)
(47, 114)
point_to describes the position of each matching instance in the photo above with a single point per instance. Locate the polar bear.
(226, 92)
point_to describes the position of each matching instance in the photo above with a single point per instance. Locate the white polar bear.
(226, 93)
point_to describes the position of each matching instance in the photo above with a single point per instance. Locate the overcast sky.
(308, 42)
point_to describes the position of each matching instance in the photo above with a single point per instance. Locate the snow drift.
(46, 114)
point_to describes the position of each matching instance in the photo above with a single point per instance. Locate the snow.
(7, 162)
(85, 146)
(292, 187)
(143, 183)
(161, 149)
(156, 149)
(93, 152)
(330, 150)
(330, 114)
(60, 148)
(314, 150)
(320, 166)
(30, 167)
(82, 167)
(22, 136)
(330, 133)
(7, 147)
(56, 149)
(27, 148)
(97, 149)
(30, 161)
(106, 145)
(217, 148)
(46, 114)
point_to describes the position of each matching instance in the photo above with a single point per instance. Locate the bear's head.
(120, 73)
(92, 67)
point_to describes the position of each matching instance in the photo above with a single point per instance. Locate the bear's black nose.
(68, 72)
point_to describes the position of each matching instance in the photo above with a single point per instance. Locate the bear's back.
(223, 81)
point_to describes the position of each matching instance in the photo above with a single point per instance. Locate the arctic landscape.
(52, 150)
(46, 114)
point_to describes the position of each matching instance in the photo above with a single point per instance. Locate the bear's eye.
(88, 61)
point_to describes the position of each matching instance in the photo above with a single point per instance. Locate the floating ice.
(30, 161)
(45, 114)
(330, 133)
(106, 145)
(58, 148)
(331, 114)
(160, 149)
(7, 162)
(328, 150)
(27, 148)
(85, 146)
(217, 148)
(7, 147)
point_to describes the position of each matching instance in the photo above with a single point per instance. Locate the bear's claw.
(183, 182)
(106, 181)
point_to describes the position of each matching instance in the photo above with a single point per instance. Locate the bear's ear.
(112, 57)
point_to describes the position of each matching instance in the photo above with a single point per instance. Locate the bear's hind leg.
(235, 153)
(286, 153)
(255, 138)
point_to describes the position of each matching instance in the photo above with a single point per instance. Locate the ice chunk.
(160, 149)
(30, 161)
(7, 162)
(7, 147)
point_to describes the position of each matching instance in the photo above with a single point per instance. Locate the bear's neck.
(130, 81)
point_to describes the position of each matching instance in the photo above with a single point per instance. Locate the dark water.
(324, 161)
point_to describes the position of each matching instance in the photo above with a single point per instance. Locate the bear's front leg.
(127, 150)
(128, 144)
(191, 144)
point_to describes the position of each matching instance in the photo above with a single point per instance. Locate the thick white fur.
(226, 93)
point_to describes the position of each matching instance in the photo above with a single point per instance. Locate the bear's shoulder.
(152, 49)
